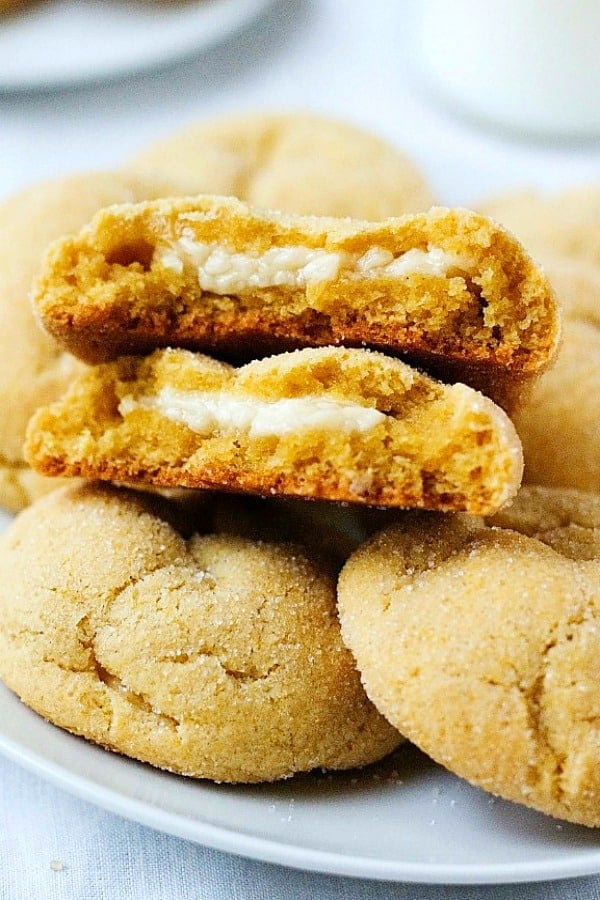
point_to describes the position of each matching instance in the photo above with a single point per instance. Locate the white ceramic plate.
(404, 820)
(61, 42)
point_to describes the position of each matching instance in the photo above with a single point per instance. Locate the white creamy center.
(225, 271)
(209, 411)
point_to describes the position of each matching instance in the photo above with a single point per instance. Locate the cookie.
(33, 370)
(214, 656)
(329, 423)
(566, 519)
(297, 162)
(559, 426)
(482, 643)
(446, 289)
(560, 224)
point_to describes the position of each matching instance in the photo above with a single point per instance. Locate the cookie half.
(329, 423)
(446, 289)
(482, 644)
(216, 656)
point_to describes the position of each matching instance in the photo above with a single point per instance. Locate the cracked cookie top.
(299, 162)
(215, 656)
(481, 644)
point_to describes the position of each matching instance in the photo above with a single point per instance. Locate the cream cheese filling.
(208, 411)
(222, 270)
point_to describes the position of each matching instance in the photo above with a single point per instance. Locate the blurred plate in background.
(58, 43)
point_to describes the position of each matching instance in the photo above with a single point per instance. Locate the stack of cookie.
(332, 420)
(351, 372)
(298, 162)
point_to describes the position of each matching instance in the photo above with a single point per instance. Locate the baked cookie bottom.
(446, 289)
(330, 423)
(214, 656)
(481, 643)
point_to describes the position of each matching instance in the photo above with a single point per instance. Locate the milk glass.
(529, 65)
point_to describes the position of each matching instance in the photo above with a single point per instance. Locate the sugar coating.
(562, 224)
(559, 425)
(298, 162)
(215, 656)
(481, 643)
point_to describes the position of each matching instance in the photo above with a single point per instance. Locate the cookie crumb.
(57, 865)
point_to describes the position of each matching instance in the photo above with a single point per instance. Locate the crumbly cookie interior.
(367, 429)
(216, 275)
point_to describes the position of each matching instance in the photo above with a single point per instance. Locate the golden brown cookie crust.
(295, 161)
(341, 424)
(482, 645)
(217, 656)
(446, 289)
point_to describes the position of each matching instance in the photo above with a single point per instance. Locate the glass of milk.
(529, 65)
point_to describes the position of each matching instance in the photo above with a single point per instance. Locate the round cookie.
(559, 426)
(481, 644)
(33, 370)
(300, 163)
(217, 656)
(562, 224)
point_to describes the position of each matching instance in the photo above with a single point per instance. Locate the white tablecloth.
(335, 57)
(55, 847)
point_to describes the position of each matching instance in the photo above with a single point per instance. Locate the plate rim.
(262, 849)
(230, 16)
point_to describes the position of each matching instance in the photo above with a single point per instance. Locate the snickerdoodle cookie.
(214, 656)
(482, 643)
(566, 223)
(446, 289)
(297, 161)
(559, 425)
(566, 519)
(329, 423)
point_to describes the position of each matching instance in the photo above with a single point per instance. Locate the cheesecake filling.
(222, 270)
(206, 412)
